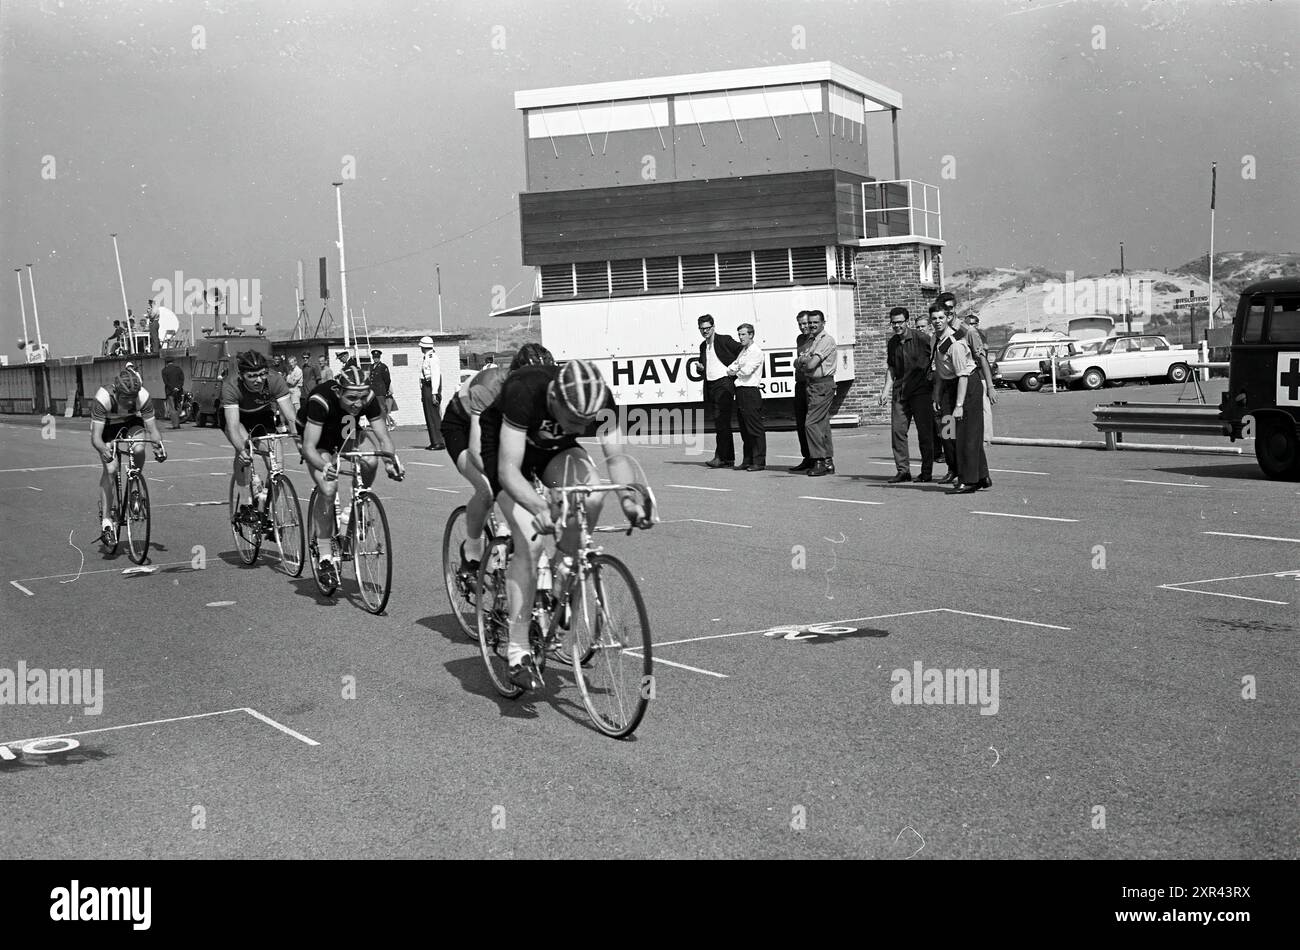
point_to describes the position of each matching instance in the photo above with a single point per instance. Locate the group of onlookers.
(938, 379)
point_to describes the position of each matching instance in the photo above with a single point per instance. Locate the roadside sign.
(1191, 301)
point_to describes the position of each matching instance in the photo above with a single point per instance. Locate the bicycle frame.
(125, 447)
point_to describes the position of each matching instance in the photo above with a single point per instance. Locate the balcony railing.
(900, 209)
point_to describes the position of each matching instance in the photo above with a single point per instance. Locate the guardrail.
(1116, 419)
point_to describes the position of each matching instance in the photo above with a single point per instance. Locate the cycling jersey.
(482, 389)
(106, 408)
(233, 393)
(324, 408)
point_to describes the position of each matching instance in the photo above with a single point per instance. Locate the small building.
(745, 194)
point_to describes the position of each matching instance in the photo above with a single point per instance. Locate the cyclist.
(462, 433)
(532, 429)
(330, 422)
(122, 410)
(249, 399)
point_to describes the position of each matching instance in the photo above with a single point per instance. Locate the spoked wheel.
(286, 517)
(493, 616)
(136, 516)
(244, 522)
(111, 539)
(461, 585)
(609, 618)
(372, 552)
(565, 639)
(326, 581)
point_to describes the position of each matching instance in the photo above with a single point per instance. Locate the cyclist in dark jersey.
(330, 421)
(249, 399)
(123, 410)
(532, 429)
(461, 433)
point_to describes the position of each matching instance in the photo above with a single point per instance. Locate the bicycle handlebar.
(118, 443)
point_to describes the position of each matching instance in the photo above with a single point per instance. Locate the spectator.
(980, 352)
(801, 394)
(294, 379)
(325, 373)
(748, 370)
(489, 360)
(431, 393)
(947, 445)
(173, 378)
(346, 358)
(310, 375)
(153, 327)
(921, 324)
(381, 384)
(907, 387)
(114, 339)
(817, 366)
(967, 413)
(717, 352)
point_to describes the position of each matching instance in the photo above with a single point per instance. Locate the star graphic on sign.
(638, 394)
(681, 392)
(659, 393)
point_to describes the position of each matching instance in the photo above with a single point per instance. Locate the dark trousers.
(432, 414)
(971, 462)
(722, 394)
(916, 407)
(753, 435)
(945, 425)
(801, 415)
(817, 425)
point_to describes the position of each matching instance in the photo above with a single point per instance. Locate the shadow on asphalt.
(1243, 470)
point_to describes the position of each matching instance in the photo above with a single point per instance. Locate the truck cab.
(1264, 375)
(214, 357)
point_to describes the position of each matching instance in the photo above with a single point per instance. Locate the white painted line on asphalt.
(1016, 471)
(199, 444)
(698, 487)
(428, 464)
(448, 491)
(130, 725)
(283, 728)
(55, 468)
(745, 633)
(1003, 514)
(725, 524)
(847, 501)
(1031, 623)
(1139, 481)
(1212, 593)
(680, 666)
(1253, 537)
(107, 570)
(1183, 586)
(34, 488)
(22, 588)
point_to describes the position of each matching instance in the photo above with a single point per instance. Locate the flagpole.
(23, 304)
(1214, 174)
(36, 317)
(121, 283)
(343, 270)
(438, 271)
(1128, 320)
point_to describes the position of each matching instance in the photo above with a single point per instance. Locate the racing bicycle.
(267, 509)
(360, 536)
(131, 502)
(600, 607)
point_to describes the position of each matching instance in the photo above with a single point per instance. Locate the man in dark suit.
(717, 352)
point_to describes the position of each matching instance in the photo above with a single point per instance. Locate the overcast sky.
(1070, 125)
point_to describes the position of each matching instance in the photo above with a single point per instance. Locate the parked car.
(1020, 364)
(1125, 358)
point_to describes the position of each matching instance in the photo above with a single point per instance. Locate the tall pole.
(36, 317)
(1214, 175)
(1123, 283)
(343, 267)
(438, 270)
(23, 304)
(121, 283)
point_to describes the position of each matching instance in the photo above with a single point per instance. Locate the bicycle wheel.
(244, 523)
(461, 585)
(326, 585)
(286, 516)
(493, 616)
(609, 619)
(116, 533)
(372, 552)
(136, 516)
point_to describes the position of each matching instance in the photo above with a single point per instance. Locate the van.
(1021, 362)
(1264, 375)
(214, 357)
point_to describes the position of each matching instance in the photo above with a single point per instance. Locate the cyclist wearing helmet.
(249, 399)
(123, 409)
(330, 422)
(532, 429)
(462, 434)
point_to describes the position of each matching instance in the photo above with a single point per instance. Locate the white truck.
(1124, 358)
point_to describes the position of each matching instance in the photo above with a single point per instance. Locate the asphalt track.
(1119, 686)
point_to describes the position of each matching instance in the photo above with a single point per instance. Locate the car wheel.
(1277, 449)
(1178, 373)
(1093, 379)
(1031, 383)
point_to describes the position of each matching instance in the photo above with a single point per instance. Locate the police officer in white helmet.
(431, 393)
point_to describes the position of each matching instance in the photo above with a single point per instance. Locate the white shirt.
(429, 366)
(749, 366)
(713, 368)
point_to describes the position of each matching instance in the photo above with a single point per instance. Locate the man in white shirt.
(431, 393)
(717, 352)
(748, 372)
(294, 379)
